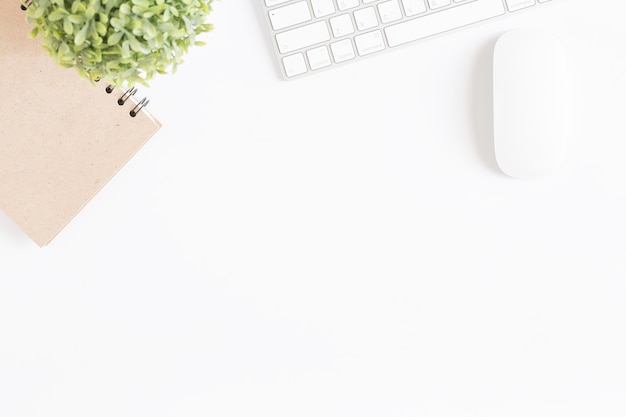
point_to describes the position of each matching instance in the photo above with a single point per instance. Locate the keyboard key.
(436, 4)
(318, 57)
(294, 65)
(365, 18)
(342, 50)
(389, 11)
(290, 15)
(442, 21)
(369, 42)
(347, 4)
(515, 5)
(413, 7)
(341, 25)
(302, 37)
(322, 8)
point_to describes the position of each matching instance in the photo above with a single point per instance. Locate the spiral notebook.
(61, 138)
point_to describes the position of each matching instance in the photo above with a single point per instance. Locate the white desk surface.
(341, 245)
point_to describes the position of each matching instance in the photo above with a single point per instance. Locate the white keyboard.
(312, 35)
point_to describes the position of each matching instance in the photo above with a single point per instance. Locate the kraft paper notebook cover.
(61, 138)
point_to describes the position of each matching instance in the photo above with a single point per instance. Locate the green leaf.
(125, 9)
(82, 35)
(57, 15)
(38, 11)
(115, 38)
(166, 27)
(76, 19)
(142, 3)
(134, 44)
(117, 23)
(149, 30)
(68, 27)
(101, 28)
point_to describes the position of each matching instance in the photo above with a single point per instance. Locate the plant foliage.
(122, 41)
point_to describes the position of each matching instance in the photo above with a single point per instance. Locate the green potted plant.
(126, 42)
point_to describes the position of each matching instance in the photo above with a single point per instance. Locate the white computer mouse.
(530, 104)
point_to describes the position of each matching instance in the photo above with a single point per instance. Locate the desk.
(340, 245)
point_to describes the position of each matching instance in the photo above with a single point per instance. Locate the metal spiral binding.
(128, 94)
(26, 4)
(142, 104)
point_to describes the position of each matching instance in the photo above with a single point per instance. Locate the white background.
(339, 245)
